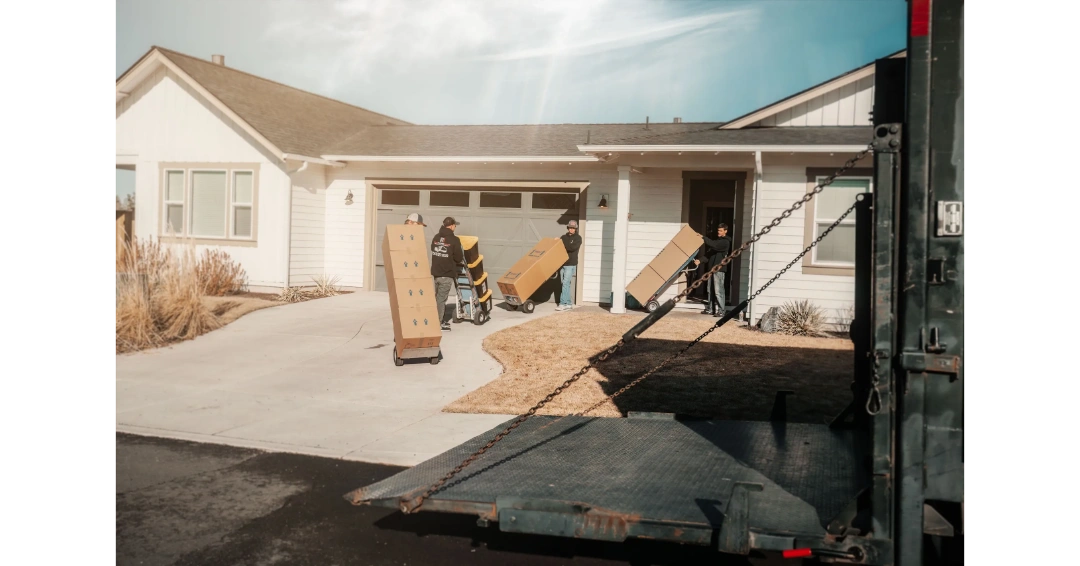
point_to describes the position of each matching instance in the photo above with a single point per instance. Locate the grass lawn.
(733, 374)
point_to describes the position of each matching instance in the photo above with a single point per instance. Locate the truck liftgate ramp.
(882, 484)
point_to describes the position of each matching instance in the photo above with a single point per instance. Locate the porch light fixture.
(348, 197)
(603, 203)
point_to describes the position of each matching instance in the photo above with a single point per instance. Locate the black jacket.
(446, 254)
(572, 245)
(715, 250)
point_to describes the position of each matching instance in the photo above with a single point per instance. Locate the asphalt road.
(185, 503)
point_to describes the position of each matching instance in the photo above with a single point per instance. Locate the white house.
(293, 184)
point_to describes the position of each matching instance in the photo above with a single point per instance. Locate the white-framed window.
(211, 202)
(174, 199)
(243, 194)
(838, 248)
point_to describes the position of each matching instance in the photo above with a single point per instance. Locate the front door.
(715, 214)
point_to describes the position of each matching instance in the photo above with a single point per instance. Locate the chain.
(873, 400)
(409, 506)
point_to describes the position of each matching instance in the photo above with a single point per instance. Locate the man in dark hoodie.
(715, 250)
(446, 256)
(572, 242)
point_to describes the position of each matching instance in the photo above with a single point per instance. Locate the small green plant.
(801, 318)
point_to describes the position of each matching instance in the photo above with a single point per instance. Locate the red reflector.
(920, 18)
(798, 553)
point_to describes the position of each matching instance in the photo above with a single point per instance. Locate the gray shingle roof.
(814, 135)
(293, 120)
(515, 140)
(308, 124)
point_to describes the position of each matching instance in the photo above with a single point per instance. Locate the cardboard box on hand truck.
(657, 276)
(531, 271)
(412, 293)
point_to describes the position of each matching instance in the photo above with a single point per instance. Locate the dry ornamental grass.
(159, 296)
(734, 373)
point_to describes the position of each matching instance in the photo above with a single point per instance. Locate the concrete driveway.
(312, 378)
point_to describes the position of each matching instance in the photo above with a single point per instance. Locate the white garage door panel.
(506, 234)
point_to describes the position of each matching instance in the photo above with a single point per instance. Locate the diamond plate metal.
(655, 471)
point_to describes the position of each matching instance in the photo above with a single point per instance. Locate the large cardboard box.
(416, 327)
(411, 288)
(532, 270)
(666, 264)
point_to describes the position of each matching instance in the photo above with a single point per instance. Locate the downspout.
(753, 230)
(287, 253)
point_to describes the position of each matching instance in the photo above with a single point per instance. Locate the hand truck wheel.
(528, 307)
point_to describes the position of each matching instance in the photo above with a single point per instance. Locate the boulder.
(768, 321)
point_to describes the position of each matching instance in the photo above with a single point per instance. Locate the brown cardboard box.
(416, 327)
(665, 264)
(687, 240)
(645, 284)
(406, 264)
(411, 288)
(405, 237)
(530, 272)
(417, 292)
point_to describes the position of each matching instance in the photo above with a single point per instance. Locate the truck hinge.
(888, 138)
(933, 363)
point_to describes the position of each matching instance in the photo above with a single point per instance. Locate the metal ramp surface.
(613, 478)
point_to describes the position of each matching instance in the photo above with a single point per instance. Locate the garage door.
(509, 222)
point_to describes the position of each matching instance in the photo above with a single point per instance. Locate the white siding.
(345, 231)
(656, 206)
(308, 235)
(782, 185)
(849, 105)
(165, 121)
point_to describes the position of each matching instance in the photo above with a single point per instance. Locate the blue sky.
(515, 62)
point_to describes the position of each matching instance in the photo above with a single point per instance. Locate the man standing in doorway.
(572, 242)
(715, 250)
(446, 256)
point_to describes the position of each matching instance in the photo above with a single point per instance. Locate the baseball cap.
(572, 224)
(416, 218)
(449, 221)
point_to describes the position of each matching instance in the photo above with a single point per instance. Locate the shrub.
(178, 308)
(325, 286)
(135, 327)
(219, 275)
(801, 318)
(293, 295)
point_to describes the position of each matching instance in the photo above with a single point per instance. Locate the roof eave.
(468, 158)
(748, 148)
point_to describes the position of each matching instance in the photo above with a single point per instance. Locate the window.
(500, 200)
(450, 198)
(401, 198)
(836, 253)
(209, 201)
(174, 202)
(554, 201)
(242, 202)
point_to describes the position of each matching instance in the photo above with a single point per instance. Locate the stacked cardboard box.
(666, 264)
(412, 291)
(530, 272)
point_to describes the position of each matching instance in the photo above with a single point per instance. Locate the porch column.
(622, 229)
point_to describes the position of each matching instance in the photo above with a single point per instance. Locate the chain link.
(412, 505)
(873, 399)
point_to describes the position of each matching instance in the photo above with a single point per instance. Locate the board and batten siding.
(165, 121)
(781, 186)
(849, 105)
(308, 235)
(345, 225)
